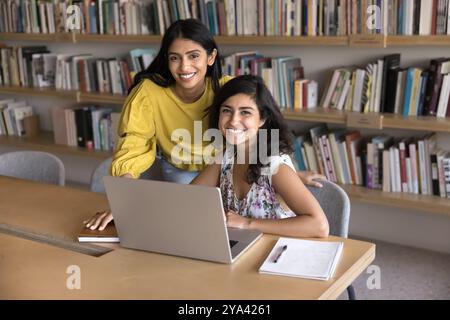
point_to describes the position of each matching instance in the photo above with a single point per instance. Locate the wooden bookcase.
(430, 204)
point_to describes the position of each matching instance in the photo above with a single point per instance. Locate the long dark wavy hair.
(190, 29)
(254, 87)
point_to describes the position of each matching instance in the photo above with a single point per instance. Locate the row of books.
(87, 127)
(383, 86)
(279, 74)
(37, 67)
(12, 115)
(231, 17)
(412, 165)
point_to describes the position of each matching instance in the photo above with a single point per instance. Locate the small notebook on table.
(109, 234)
(303, 258)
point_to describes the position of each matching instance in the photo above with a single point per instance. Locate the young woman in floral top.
(258, 192)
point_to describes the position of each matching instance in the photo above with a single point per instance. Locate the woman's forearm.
(301, 226)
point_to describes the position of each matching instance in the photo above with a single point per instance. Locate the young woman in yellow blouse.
(173, 93)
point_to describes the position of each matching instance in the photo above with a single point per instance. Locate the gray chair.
(98, 174)
(33, 165)
(154, 173)
(336, 205)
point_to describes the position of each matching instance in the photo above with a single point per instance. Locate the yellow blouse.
(150, 117)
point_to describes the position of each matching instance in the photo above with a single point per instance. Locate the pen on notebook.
(283, 249)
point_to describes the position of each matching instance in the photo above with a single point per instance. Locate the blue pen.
(283, 249)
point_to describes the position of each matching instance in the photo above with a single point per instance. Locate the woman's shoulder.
(144, 90)
(276, 161)
(225, 79)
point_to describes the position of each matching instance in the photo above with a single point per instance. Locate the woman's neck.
(189, 95)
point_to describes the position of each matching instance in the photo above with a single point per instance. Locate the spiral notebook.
(303, 258)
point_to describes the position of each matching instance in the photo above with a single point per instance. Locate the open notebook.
(303, 258)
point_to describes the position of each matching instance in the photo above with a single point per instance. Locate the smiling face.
(188, 63)
(239, 119)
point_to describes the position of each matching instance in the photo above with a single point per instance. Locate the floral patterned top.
(260, 202)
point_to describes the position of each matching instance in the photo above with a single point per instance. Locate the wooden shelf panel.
(93, 97)
(60, 37)
(431, 204)
(282, 40)
(395, 40)
(111, 38)
(441, 40)
(316, 115)
(44, 142)
(392, 121)
(46, 92)
(422, 123)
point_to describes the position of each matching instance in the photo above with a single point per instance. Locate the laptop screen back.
(170, 218)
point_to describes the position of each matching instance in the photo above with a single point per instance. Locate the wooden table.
(53, 215)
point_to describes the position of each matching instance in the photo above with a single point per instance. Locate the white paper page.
(303, 258)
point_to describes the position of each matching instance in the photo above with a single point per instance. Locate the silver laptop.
(176, 219)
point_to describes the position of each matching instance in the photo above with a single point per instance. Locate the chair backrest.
(33, 165)
(98, 174)
(336, 205)
(154, 173)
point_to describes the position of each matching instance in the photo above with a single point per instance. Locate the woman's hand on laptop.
(100, 220)
(235, 220)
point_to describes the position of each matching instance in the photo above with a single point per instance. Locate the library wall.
(407, 227)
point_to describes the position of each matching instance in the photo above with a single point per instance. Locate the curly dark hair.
(269, 111)
(191, 29)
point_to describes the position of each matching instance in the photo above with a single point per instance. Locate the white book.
(443, 98)
(378, 86)
(343, 97)
(422, 169)
(386, 171)
(311, 157)
(298, 17)
(373, 75)
(440, 158)
(345, 164)
(426, 14)
(448, 20)
(397, 174)
(331, 88)
(409, 175)
(303, 258)
(230, 8)
(313, 95)
(408, 18)
(357, 94)
(414, 172)
(392, 168)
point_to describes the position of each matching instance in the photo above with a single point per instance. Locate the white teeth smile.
(187, 76)
(235, 131)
